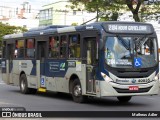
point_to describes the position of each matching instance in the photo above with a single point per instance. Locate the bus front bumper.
(113, 89)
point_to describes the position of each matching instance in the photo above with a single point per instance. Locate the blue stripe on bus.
(101, 67)
(33, 72)
(157, 71)
(42, 70)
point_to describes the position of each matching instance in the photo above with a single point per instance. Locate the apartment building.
(60, 13)
(21, 15)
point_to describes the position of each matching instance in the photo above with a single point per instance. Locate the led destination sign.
(129, 28)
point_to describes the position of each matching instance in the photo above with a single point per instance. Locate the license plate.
(133, 88)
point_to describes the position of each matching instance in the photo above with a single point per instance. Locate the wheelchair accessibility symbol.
(42, 81)
(137, 62)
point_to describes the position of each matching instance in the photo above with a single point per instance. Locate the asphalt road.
(10, 96)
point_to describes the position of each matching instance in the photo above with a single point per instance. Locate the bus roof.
(47, 27)
(109, 26)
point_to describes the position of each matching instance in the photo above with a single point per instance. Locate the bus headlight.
(106, 78)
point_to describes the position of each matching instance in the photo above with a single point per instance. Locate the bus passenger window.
(74, 46)
(63, 46)
(20, 48)
(54, 47)
(30, 50)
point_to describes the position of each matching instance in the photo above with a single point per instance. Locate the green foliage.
(110, 17)
(109, 7)
(150, 12)
(6, 29)
(115, 6)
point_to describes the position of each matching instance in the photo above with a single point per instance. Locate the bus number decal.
(71, 64)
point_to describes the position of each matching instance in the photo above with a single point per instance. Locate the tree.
(109, 7)
(6, 29)
(150, 11)
(135, 11)
(113, 6)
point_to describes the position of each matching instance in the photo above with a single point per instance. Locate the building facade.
(60, 13)
(21, 15)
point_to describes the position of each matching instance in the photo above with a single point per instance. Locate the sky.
(36, 4)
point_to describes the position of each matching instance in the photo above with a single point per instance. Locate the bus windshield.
(131, 52)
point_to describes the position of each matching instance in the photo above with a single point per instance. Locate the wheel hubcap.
(22, 85)
(77, 90)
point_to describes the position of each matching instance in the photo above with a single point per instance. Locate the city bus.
(116, 59)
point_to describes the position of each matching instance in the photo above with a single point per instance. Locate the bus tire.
(24, 85)
(124, 99)
(77, 92)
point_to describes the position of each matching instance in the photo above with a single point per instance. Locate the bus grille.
(141, 90)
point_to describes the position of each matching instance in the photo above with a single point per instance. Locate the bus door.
(41, 55)
(9, 62)
(90, 46)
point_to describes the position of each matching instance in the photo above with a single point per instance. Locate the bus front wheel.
(77, 92)
(124, 99)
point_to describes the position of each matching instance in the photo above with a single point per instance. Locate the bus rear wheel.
(77, 92)
(124, 99)
(24, 85)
